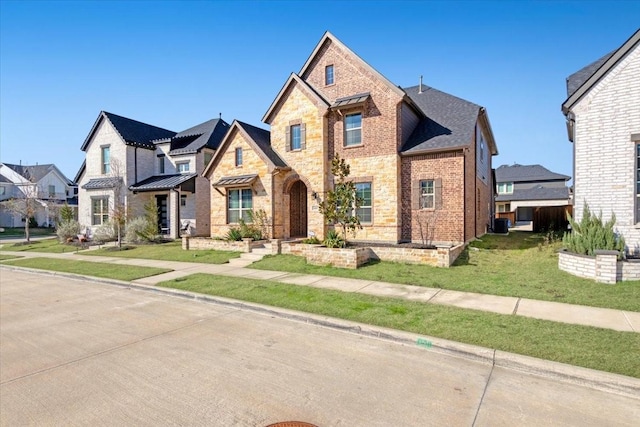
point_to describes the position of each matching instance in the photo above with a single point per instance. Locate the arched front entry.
(298, 210)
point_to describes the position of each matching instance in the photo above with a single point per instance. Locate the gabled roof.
(258, 138)
(328, 37)
(208, 134)
(581, 82)
(449, 121)
(539, 192)
(34, 173)
(527, 173)
(162, 182)
(315, 97)
(132, 132)
(83, 167)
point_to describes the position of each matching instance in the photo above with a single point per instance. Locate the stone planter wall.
(343, 258)
(199, 243)
(603, 267)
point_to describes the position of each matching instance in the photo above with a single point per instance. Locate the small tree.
(66, 213)
(118, 209)
(25, 205)
(341, 204)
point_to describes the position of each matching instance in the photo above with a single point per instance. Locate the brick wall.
(605, 119)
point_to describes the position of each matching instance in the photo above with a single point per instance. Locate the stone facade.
(603, 267)
(605, 161)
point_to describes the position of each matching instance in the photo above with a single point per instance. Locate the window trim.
(180, 164)
(326, 75)
(238, 157)
(292, 129)
(424, 196)
(103, 214)
(507, 185)
(105, 161)
(241, 210)
(183, 200)
(347, 131)
(363, 206)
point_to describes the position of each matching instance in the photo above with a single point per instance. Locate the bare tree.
(118, 208)
(24, 203)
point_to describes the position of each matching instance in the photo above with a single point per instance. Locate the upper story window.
(353, 129)
(363, 192)
(182, 167)
(505, 187)
(105, 158)
(183, 200)
(161, 163)
(296, 137)
(238, 156)
(328, 75)
(427, 194)
(52, 191)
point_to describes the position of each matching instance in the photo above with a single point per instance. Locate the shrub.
(106, 233)
(591, 234)
(68, 230)
(250, 230)
(140, 230)
(234, 234)
(311, 240)
(333, 240)
(260, 221)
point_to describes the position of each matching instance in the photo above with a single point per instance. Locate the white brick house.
(133, 162)
(603, 122)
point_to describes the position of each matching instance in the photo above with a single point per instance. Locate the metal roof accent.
(162, 182)
(350, 101)
(234, 181)
(102, 183)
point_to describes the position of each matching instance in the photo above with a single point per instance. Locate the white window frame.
(243, 211)
(364, 207)
(354, 130)
(504, 207)
(505, 188)
(427, 193)
(101, 216)
(183, 167)
(105, 159)
(293, 129)
(239, 157)
(329, 75)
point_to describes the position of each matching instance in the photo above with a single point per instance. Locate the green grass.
(45, 245)
(171, 251)
(96, 269)
(589, 347)
(6, 257)
(16, 232)
(518, 265)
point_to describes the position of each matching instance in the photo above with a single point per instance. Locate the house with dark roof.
(420, 158)
(521, 189)
(46, 184)
(602, 112)
(129, 163)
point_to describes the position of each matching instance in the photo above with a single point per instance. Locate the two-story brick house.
(129, 162)
(46, 184)
(603, 122)
(420, 158)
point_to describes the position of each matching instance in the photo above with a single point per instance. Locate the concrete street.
(77, 352)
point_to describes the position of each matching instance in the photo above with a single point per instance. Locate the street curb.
(591, 378)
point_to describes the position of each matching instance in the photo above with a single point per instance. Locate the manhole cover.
(292, 424)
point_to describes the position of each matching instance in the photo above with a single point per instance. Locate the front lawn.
(96, 269)
(6, 257)
(520, 265)
(171, 251)
(595, 348)
(45, 245)
(15, 232)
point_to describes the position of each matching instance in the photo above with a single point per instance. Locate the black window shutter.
(303, 136)
(287, 146)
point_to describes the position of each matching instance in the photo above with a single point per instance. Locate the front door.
(163, 214)
(298, 210)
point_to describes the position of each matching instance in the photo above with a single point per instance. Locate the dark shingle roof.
(450, 121)
(538, 192)
(527, 173)
(577, 79)
(35, 173)
(208, 134)
(100, 183)
(263, 139)
(162, 182)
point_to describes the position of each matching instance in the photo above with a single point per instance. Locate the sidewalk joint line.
(515, 309)
(435, 295)
(624, 313)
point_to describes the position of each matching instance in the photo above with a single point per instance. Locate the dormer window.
(183, 167)
(328, 75)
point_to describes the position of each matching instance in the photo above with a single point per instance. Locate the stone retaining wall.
(199, 243)
(604, 267)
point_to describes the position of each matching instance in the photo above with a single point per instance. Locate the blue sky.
(177, 64)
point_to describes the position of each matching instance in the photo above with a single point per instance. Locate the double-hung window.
(505, 187)
(353, 129)
(363, 192)
(238, 156)
(240, 203)
(183, 167)
(295, 137)
(328, 75)
(427, 194)
(99, 210)
(105, 158)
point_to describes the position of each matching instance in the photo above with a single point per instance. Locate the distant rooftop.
(527, 173)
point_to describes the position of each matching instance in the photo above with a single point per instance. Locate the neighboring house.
(522, 188)
(44, 183)
(420, 158)
(128, 163)
(603, 122)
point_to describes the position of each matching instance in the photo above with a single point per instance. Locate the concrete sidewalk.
(619, 320)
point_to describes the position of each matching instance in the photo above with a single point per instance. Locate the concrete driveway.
(82, 353)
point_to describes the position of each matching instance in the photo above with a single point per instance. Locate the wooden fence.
(551, 218)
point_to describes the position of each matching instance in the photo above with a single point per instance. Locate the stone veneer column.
(606, 266)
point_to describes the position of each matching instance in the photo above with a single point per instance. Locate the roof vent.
(420, 85)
